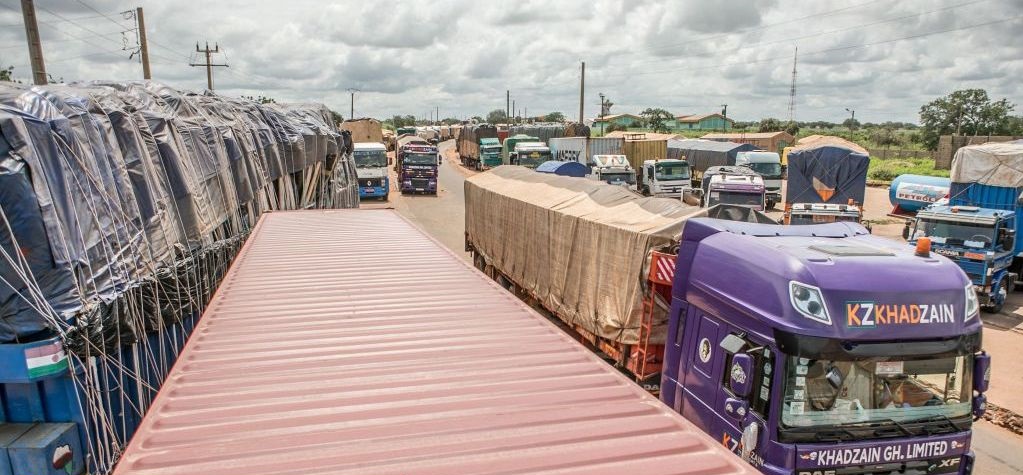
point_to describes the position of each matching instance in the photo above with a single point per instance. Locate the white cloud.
(408, 57)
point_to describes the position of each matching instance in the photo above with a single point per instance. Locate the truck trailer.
(478, 147)
(803, 349)
(979, 226)
(308, 363)
(827, 181)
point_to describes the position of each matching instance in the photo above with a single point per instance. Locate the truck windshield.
(672, 171)
(533, 157)
(955, 233)
(825, 393)
(767, 170)
(735, 198)
(421, 159)
(799, 218)
(370, 158)
(492, 149)
(618, 178)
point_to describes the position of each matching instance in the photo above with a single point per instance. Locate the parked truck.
(668, 178)
(978, 228)
(328, 353)
(478, 146)
(529, 154)
(508, 147)
(416, 161)
(613, 170)
(827, 181)
(768, 166)
(371, 169)
(804, 349)
(738, 186)
(704, 154)
(581, 149)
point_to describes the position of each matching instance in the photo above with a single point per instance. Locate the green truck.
(478, 147)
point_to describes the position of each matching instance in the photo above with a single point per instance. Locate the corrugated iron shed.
(350, 342)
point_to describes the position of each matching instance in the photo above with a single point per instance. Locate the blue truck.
(371, 169)
(978, 226)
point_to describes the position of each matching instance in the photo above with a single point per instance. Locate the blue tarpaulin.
(703, 154)
(575, 169)
(826, 173)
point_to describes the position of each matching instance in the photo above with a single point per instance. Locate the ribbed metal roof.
(349, 342)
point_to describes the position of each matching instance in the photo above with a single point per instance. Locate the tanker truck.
(909, 194)
(803, 349)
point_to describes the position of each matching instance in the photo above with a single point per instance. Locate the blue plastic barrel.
(913, 192)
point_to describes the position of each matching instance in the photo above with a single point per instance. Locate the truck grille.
(420, 183)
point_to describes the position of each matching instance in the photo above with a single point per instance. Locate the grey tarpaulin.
(107, 188)
(992, 163)
(577, 245)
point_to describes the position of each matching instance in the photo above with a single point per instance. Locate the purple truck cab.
(820, 349)
(418, 168)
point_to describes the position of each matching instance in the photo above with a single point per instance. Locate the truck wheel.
(1003, 288)
(905, 231)
(646, 191)
(770, 204)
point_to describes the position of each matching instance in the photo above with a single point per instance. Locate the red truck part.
(323, 352)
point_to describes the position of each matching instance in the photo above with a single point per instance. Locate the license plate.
(420, 189)
(368, 190)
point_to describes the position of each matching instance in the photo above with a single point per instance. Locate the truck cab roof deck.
(929, 299)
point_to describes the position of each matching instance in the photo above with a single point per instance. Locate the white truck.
(613, 169)
(670, 178)
(371, 169)
(768, 166)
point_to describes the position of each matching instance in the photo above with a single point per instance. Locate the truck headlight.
(809, 301)
(972, 304)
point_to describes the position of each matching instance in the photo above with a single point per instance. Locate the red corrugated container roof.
(350, 342)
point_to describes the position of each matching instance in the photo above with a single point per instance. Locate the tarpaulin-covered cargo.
(703, 154)
(582, 149)
(575, 169)
(545, 132)
(828, 170)
(992, 163)
(364, 130)
(578, 246)
(123, 204)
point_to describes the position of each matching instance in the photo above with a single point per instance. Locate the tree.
(851, 124)
(5, 73)
(964, 112)
(333, 115)
(497, 116)
(616, 127)
(477, 119)
(554, 117)
(792, 128)
(657, 119)
(770, 124)
(268, 100)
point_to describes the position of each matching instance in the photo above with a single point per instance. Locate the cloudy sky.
(882, 58)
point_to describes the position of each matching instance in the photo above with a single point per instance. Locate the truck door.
(699, 388)
(743, 431)
(649, 180)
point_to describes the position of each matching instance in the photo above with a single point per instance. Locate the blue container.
(8, 434)
(911, 193)
(48, 449)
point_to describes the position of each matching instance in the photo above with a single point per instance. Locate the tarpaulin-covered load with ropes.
(828, 170)
(121, 204)
(577, 246)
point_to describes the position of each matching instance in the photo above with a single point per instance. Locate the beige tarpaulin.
(996, 164)
(579, 246)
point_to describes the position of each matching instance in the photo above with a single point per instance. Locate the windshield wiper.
(823, 432)
(895, 423)
(941, 417)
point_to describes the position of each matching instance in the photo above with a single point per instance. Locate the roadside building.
(769, 141)
(621, 120)
(701, 122)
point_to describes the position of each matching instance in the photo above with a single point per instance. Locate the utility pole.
(351, 112)
(582, 90)
(209, 65)
(35, 46)
(852, 121)
(792, 89)
(511, 117)
(724, 113)
(601, 94)
(140, 23)
(507, 103)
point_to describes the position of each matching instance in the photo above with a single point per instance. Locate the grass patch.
(887, 170)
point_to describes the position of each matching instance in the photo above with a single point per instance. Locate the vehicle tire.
(645, 191)
(1003, 286)
(770, 204)
(905, 231)
(480, 262)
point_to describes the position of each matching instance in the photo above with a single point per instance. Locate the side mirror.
(736, 408)
(1008, 239)
(979, 406)
(740, 375)
(835, 377)
(981, 372)
(390, 161)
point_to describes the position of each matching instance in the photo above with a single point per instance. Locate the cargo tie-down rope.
(135, 198)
